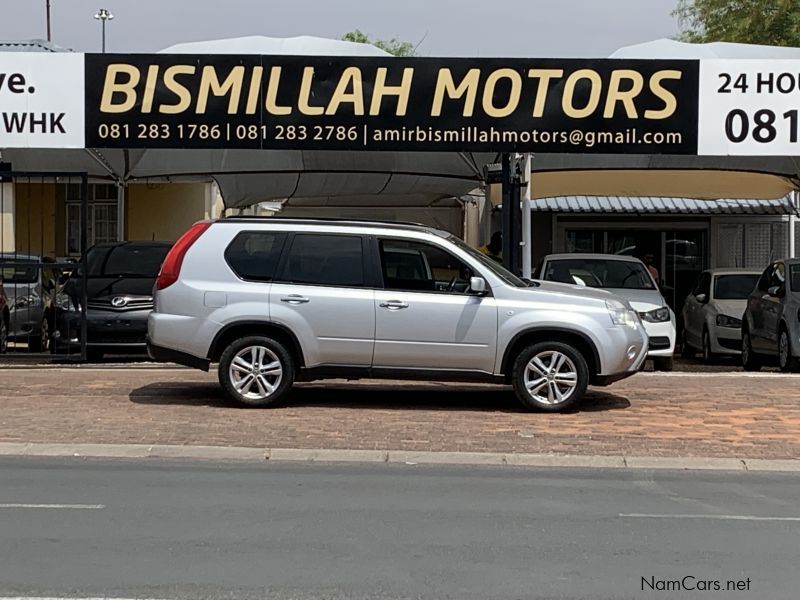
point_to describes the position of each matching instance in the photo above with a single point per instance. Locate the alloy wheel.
(255, 372)
(3, 336)
(706, 347)
(745, 348)
(551, 377)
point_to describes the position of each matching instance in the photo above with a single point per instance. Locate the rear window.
(126, 260)
(254, 255)
(734, 287)
(325, 260)
(17, 271)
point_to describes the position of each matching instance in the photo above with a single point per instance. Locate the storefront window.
(103, 217)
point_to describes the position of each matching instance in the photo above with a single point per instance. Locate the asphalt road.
(76, 528)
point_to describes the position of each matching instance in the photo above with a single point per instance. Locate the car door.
(757, 304)
(425, 315)
(771, 307)
(323, 294)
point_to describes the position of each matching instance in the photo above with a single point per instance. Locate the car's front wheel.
(3, 334)
(750, 360)
(256, 371)
(550, 376)
(708, 355)
(786, 361)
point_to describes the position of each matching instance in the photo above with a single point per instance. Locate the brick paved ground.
(655, 415)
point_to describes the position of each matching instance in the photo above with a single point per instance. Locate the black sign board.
(377, 103)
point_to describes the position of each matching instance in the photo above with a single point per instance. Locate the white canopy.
(671, 49)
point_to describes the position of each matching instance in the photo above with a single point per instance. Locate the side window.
(254, 255)
(320, 259)
(421, 267)
(764, 281)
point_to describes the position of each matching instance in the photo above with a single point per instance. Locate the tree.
(392, 46)
(770, 22)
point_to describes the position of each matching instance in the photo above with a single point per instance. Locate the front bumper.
(725, 340)
(662, 338)
(106, 329)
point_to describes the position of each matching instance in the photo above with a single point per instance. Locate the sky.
(499, 28)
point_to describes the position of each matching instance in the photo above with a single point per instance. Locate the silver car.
(712, 313)
(275, 301)
(771, 322)
(30, 288)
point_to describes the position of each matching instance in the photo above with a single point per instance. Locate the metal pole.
(49, 38)
(527, 232)
(104, 36)
(506, 213)
(83, 265)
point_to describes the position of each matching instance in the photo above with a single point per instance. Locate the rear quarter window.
(254, 255)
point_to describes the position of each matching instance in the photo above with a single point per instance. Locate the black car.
(120, 278)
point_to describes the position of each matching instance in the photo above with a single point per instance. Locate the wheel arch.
(525, 338)
(240, 329)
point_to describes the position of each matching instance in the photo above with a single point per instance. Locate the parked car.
(276, 300)
(5, 318)
(120, 279)
(30, 290)
(771, 323)
(712, 313)
(628, 278)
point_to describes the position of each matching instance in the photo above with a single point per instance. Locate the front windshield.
(127, 260)
(495, 267)
(794, 278)
(18, 271)
(599, 273)
(734, 287)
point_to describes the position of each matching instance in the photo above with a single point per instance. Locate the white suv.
(276, 300)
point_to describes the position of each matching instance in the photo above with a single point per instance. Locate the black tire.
(41, 342)
(665, 363)
(686, 349)
(553, 351)
(786, 362)
(750, 360)
(708, 356)
(3, 334)
(275, 351)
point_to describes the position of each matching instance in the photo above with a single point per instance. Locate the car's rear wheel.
(256, 371)
(550, 376)
(786, 361)
(750, 360)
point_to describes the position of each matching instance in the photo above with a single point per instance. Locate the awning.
(663, 206)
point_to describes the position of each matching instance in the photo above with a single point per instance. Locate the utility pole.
(103, 15)
(49, 37)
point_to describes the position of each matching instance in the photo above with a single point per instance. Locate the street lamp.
(103, 15)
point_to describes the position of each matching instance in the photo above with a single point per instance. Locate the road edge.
(328, 455)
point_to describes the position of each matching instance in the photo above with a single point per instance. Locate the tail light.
(171, 268)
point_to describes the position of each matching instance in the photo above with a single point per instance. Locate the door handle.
(394, 304)
(295, 299)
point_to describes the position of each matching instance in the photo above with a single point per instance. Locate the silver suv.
(276, 300)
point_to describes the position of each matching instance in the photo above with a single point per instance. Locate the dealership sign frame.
(280, 102)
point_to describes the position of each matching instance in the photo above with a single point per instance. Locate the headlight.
(726, 321)
(64, 302)
(658, 315)
(31, 301)
(621, 314)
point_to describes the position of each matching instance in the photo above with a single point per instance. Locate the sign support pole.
(527, 233)
(511, 214)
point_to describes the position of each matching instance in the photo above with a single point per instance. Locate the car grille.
(658, 343)
(133, 303)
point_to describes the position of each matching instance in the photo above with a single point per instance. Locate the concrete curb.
(311, 455)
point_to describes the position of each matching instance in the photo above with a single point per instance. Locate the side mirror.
(701, 298)
(776, 291)
(477, 285)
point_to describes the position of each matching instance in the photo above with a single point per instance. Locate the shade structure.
(307, 178)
